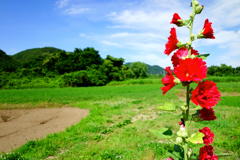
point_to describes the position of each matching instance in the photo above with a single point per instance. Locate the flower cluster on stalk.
(189, 67)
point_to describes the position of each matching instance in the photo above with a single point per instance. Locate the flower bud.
(184, 108)
(176, 80)
(192, 37)
(199, 9)
(182, 132)
(195, 3)
(189, 152)
(179, 140)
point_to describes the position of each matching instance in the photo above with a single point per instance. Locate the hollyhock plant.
(206, 94)
(206, 153)
(181, 54)
(191, 69)
(207, 30)
(176, 20)
(171, 45)
(207, 114)
(208, 135)
(168, 81)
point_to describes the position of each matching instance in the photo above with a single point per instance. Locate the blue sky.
(136, 30)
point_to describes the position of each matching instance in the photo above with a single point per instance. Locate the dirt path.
(17, 126)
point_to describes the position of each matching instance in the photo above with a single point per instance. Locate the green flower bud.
(189, 152)
(179, 140)
(182, 132)
(176, 80)
(184, 108)
(199, 9)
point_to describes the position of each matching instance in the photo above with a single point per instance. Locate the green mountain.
(151, 69)
(155, 69)
(7, 63)
(35, 55)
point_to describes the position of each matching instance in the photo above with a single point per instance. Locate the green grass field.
(119, 122)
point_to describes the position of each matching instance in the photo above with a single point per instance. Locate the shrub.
(84, 78)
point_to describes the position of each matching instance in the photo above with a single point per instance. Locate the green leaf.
(203, 56)
(168, 107)
(162, 133)
(196, 138)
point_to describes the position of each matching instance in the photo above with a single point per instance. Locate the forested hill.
(36, 54)
(40, 57)
(155, 69)
(53, 67)
(7, 63)
(82, 67)
(151, 69)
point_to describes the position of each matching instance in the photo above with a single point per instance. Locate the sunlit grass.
(118, 124)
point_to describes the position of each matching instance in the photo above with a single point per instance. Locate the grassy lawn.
(119, 122)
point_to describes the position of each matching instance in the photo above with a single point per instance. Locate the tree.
(112, 68)
(139, 69)
(7, 63)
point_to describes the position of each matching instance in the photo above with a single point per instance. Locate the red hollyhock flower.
(206, 153)
(180, 54)
(190, 70)
(171, 45)
(207, 30)
(175, 19)
(170, 158)
(207, 114)
(208, 138)
(206, 94)
(168, 80)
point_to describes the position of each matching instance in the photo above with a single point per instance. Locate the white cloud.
(224, 38)
(143, 26)
(150, 58)
(110, 43)
(75, 10)
(140, 20)
(153, 16)
(225, 13)
(62, 3)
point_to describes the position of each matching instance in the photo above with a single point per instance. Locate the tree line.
(82, 67)
(223, 70)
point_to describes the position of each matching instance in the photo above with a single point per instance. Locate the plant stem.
(187, 101)
(186, 116)
(192, 17)
(185, 148)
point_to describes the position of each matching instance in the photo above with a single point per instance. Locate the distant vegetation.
(223, 70)
(53, 67)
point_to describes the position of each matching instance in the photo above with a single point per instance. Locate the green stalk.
(185, 148)
(186, 116)
(187, 101)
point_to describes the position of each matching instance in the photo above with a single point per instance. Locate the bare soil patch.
(17, 126)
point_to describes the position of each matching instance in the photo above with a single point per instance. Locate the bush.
(31, 82)
(91, 77)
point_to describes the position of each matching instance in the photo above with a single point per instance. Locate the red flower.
(207, 30)
(208, 138)
(175, 19)
(207, 114)
(190, 70)
(171, 45)
(168, 80)
(206, 153)
(206, 94)
(169, 158)
(180, 54)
